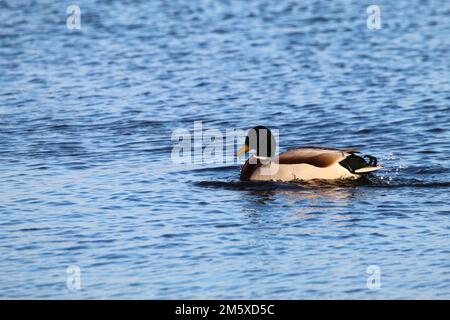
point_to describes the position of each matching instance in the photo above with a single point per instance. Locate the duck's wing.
(347, 150)
(318, 157)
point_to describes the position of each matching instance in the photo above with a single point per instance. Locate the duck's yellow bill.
(242, 150)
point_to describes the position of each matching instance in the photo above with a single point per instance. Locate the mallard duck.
(306, 163)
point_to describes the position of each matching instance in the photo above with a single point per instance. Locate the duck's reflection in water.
(287, 205)
(315, 195)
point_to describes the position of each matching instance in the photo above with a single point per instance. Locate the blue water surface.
(87, 179)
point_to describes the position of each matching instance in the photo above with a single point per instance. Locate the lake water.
(87, 180)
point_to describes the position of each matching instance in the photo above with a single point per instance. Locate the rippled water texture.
(86, 176)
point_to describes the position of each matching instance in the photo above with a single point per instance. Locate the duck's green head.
(259, 138)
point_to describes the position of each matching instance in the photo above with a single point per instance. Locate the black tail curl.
(372, 160)
(354, 162)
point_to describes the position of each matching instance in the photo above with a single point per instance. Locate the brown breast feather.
(248, 169)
